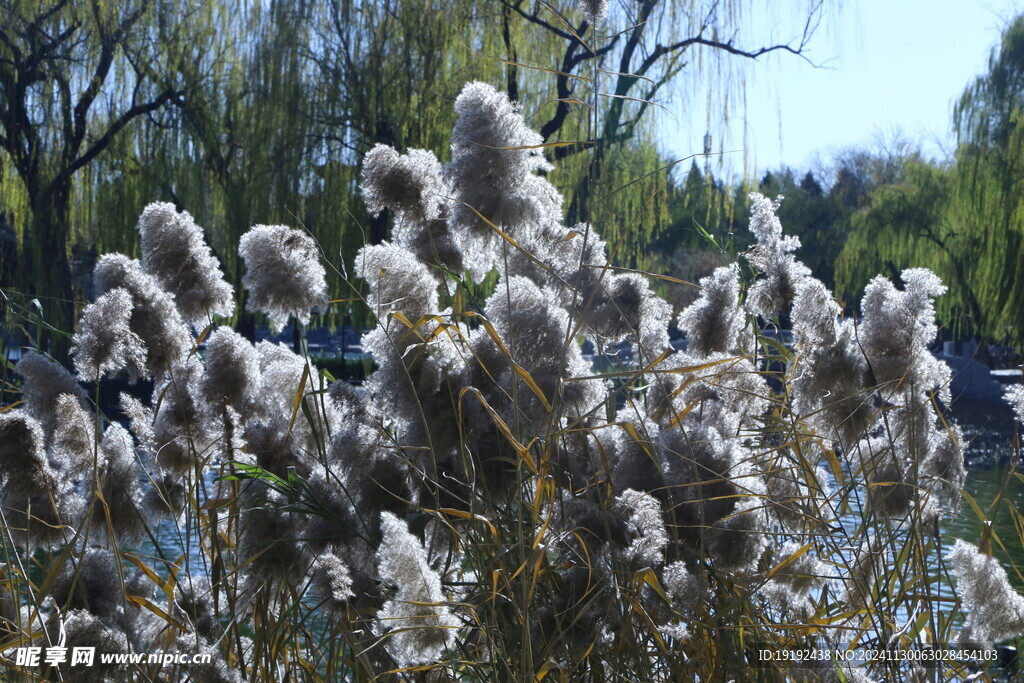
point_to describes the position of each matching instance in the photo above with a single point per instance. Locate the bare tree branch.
(123, 120)
(547, 26)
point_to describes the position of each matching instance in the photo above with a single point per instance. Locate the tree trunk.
(51, 270)
(384, 133)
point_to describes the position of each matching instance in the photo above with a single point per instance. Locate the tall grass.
(487, 505)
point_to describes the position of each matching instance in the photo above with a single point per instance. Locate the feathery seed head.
(686, 589)
(529, 321)
(423, 627)
(815, 314)
(154, 316)
(738, 540)
(193, 605)
(119, 479)
(22, 451)
(214, 667)
(595, 9)
(993, 610)
(411, 184)
(283, 274)
(90, 583)
(85, 629)
(105, 342)
(628, 306)
(182, 430)
(494, 159)
(491, 128)
(831, 386)
(332, 580)
(414, 187)
(713, 322)
(897, 329)
(73, 440)
(140, 419)
(645, 525)
(44, 381)
(773, 258)
(175, 252)
(232, 376)
(398, 282)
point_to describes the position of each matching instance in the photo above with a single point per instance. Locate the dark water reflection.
(990, 434)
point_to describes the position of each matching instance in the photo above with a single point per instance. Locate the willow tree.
(388, 72)
(275, 103)
(913, 220)
(248, 122)
(390, 69)
(73, 75)
(988, 186)
(966, 221)
(610, 73)
(234, 150)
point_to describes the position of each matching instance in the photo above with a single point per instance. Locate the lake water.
(984, 484)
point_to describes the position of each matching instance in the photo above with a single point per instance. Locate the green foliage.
(261, 111)
(964, 219)
(988, 195)
(73, 77)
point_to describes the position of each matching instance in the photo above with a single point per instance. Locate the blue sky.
(892, 66)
